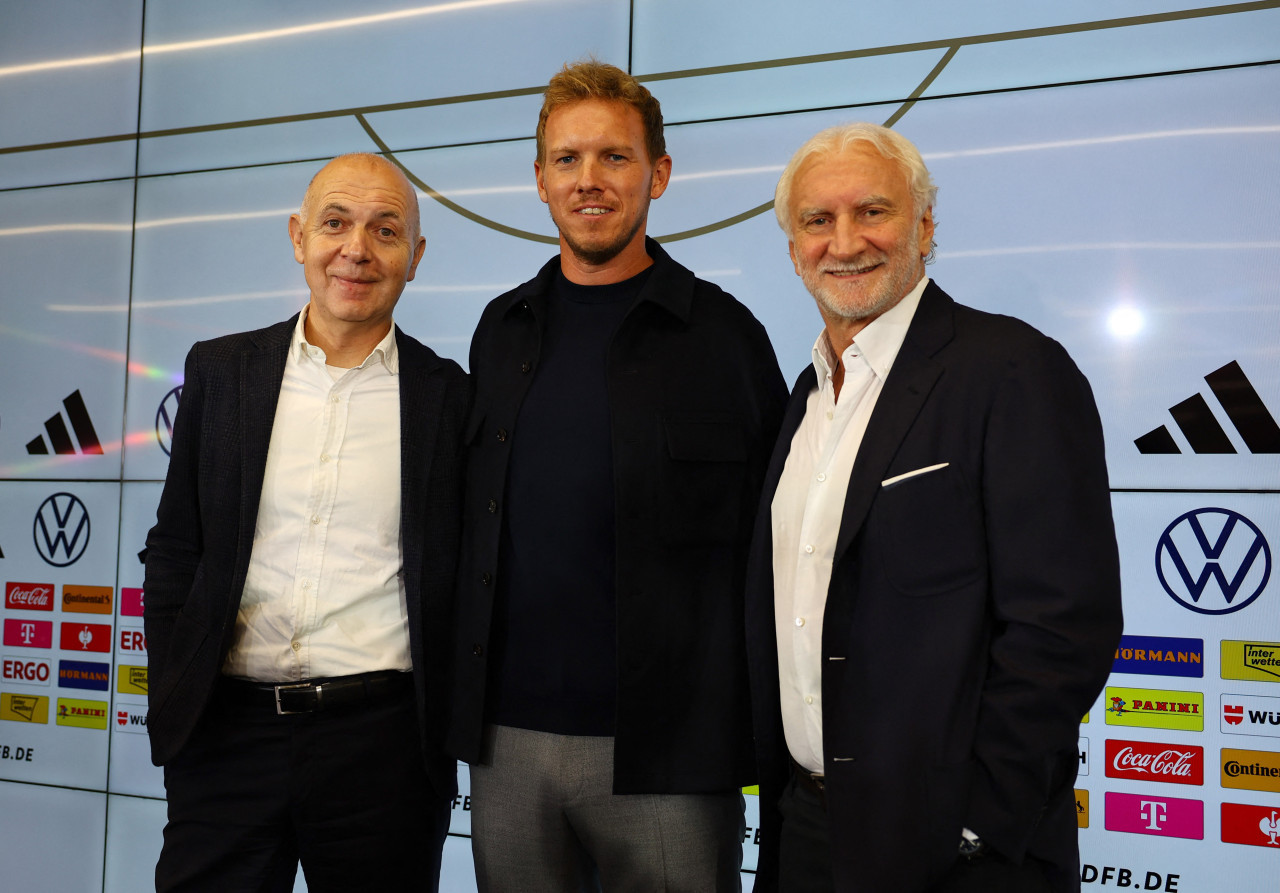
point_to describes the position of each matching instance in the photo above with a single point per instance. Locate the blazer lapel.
(421, 407)
(261, 372)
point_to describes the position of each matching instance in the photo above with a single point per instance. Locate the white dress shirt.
(807, 508)
(324, 595)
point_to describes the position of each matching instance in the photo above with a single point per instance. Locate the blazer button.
(526, 366)
(493, 506)
(486, 579)
(478, 649)
(502, 435)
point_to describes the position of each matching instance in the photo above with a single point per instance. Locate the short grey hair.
(834, 140)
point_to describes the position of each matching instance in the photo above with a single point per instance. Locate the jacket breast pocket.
(702, 496)
(929, 527)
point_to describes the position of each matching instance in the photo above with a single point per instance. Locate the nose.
(847, 240)
(355, 246)
(588, 175)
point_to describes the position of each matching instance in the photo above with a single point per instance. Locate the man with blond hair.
(300, 572)
(934, 593)
(625, 412)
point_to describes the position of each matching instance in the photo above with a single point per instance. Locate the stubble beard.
(599, 255)
(869, 303)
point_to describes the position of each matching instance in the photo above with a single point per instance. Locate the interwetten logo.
(1155, 814)
(27, 670)
(129, 719)
(1250, 715)
(86, 637)
(1159, 656)
(87, 599)
(131, 680)
(28, 596)
(1155, 709)
(1150, 761)
(1254, 661)
(28, 633)
(1234, 558)
(84, 674)
(1251, 770)
(1251, 825)
(82, 714)
(1082, 808)
(165, 415)
(61, 529)
(24, 708)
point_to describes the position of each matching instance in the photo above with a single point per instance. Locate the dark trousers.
(804, 856)
(342, 791)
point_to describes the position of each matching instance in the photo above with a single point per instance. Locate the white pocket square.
(911, 474)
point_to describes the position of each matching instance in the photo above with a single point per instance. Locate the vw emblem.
(61, 529)
(1213, 561)
(165, 414)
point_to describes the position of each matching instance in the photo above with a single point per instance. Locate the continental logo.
(1254, 661)
(1159, 656)
(1152, 708)
(87, 599)
(82, 714)
(24, 708)
(1082, 808)
(1251, 770)
(131, 680)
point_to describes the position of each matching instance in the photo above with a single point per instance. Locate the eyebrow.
(338, 208)
(868, 202)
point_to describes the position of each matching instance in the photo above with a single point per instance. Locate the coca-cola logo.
(1154, 761)
(29, 596)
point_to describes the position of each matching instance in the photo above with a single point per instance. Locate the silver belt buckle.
(296, 686)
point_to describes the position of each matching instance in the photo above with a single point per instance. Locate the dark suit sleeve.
(1054, 591)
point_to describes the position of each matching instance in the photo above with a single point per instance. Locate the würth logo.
(61, 529)
(165, 415)
(1213, 561)
(60, 438)
(1196, 421)
(1151, 761)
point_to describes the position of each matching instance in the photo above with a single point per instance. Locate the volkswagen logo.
(165, 414)
(61, 529)
(1213, 561)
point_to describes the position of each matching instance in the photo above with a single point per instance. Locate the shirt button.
(808, 699)
(821, 477)
(486, 579)
(315, 519)
(502, 435)
(799, 622)
(306, 584)
(477, 649)
(493, 506)
(808, 549)
(296, 645)
(324, 457)
(336, 399)
(526, 366)
(830, 415)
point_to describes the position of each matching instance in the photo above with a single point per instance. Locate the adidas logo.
(1195, 419)
(60, 438)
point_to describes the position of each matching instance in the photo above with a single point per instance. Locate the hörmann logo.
(27, 670)
(1154, 814)
(1152, 761)
(84, 674)
(1213, 561)
(1159, 656)
(1155, 709)
(1252, 660)
(1252, 770)
(87, 599)
(1250, 715)
(1251, 825)
(28, 596)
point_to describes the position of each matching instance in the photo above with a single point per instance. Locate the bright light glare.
(1125, 322)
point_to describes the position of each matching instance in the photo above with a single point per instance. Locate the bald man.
(300, 570)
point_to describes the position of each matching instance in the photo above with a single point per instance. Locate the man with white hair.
(933, 595)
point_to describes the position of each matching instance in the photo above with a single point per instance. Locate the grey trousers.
(544, 819)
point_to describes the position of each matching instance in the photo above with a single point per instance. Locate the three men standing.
(624, 414)
(934, 593)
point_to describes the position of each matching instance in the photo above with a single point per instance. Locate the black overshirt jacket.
(696, 399)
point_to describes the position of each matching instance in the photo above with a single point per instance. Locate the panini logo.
(87, 599)
(82, 714)
(82, 674)
(1251, 770)
(1150, 761)
(27, 670)
(1254, 661)
(131, 720)
(24, 708)
(1160, 656)
(28, 596)
(1251, 825)
(1082, 808)
(131, 680)
(1155, 709)
(1251, 715)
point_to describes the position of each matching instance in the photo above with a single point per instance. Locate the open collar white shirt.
(324, 594)
(807, 508)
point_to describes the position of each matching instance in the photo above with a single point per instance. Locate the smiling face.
(597, 180)
(858, 241)
(358, 246)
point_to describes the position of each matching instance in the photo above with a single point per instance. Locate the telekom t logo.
(28, 633)
(1154, 811)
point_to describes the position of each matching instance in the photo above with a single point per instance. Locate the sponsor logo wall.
(1065, 184)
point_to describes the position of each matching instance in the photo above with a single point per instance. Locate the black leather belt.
(315, 695)
(814, 782)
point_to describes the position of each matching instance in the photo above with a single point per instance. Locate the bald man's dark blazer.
(198, 552)
(972, 613)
